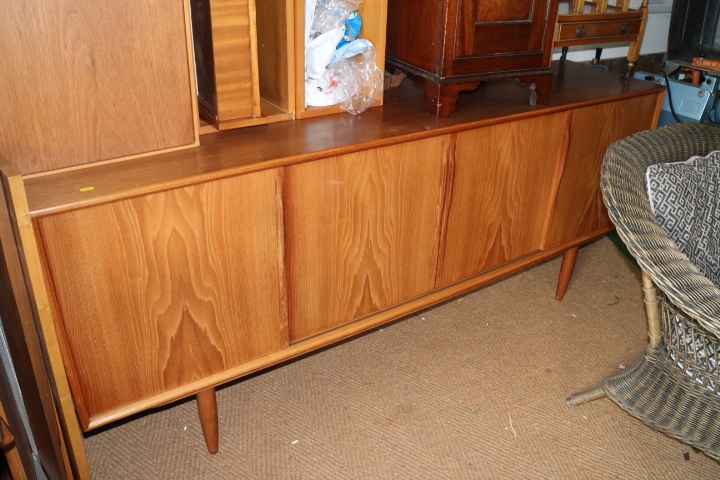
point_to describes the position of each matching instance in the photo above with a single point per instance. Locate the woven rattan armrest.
(624, 193)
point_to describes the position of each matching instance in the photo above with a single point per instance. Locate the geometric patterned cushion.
(685, 198)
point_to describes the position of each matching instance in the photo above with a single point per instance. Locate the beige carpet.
(473, 389)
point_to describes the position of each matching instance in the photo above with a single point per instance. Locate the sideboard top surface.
(401, 119)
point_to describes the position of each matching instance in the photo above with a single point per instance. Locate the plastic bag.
(359, 81)
(320, 52)
(352, 28)
(331, 14)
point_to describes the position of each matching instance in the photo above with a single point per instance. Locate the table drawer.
(598, 29)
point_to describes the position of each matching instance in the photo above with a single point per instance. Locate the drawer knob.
(580, 31)
(624, 28)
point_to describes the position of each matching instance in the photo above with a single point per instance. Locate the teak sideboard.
(137, 283)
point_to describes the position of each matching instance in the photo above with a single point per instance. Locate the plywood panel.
(579, 210)
(362, 232)
(89, 80)
(502, 181)
(157, 291)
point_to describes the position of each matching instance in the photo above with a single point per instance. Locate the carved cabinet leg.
(207, 408)
(440, 99)
(566, 270)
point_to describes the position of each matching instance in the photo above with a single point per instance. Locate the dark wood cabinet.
(453, 45)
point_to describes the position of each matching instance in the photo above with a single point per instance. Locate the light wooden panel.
(362, 232)
(24, 348)
(502, 180)
(158, 291)
(579, 210)
(90, 80)
(223, 39)
(58, 410)
(275, 31)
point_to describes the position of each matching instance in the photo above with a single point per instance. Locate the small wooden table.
(593, 22)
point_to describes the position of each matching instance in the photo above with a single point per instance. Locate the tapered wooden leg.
(566, 271)
(207, 408)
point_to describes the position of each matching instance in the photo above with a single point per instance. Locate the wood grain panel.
(487, 28)
(275, 60)
(41, 337)
(362, 232)
(157, 291)
(233, 59)
(501, 186)
(90, 80)
(499, 10)
(19, 329)
(579, 210)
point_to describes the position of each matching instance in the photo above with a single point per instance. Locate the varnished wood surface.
(276, 59)
(362, 232)
(207, 410)
(402, 118)
(14, 468)
(156, 292)
(24, 348)
(85, 81)
(566, 270)
(501, 181)
(579, 208)
(229, 73)
(39, 327)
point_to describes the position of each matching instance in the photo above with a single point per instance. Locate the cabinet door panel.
(579, 210)
(362, 232)
(495, 27)
(157, 291)
(502, 180)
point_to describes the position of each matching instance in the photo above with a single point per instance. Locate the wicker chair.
(674, 387)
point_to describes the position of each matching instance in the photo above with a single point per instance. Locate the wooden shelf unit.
(244, 61)
(374, 16)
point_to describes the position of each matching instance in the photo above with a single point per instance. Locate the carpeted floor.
(472, 389)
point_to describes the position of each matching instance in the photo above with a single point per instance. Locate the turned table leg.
(566, 270)
(207, 408)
